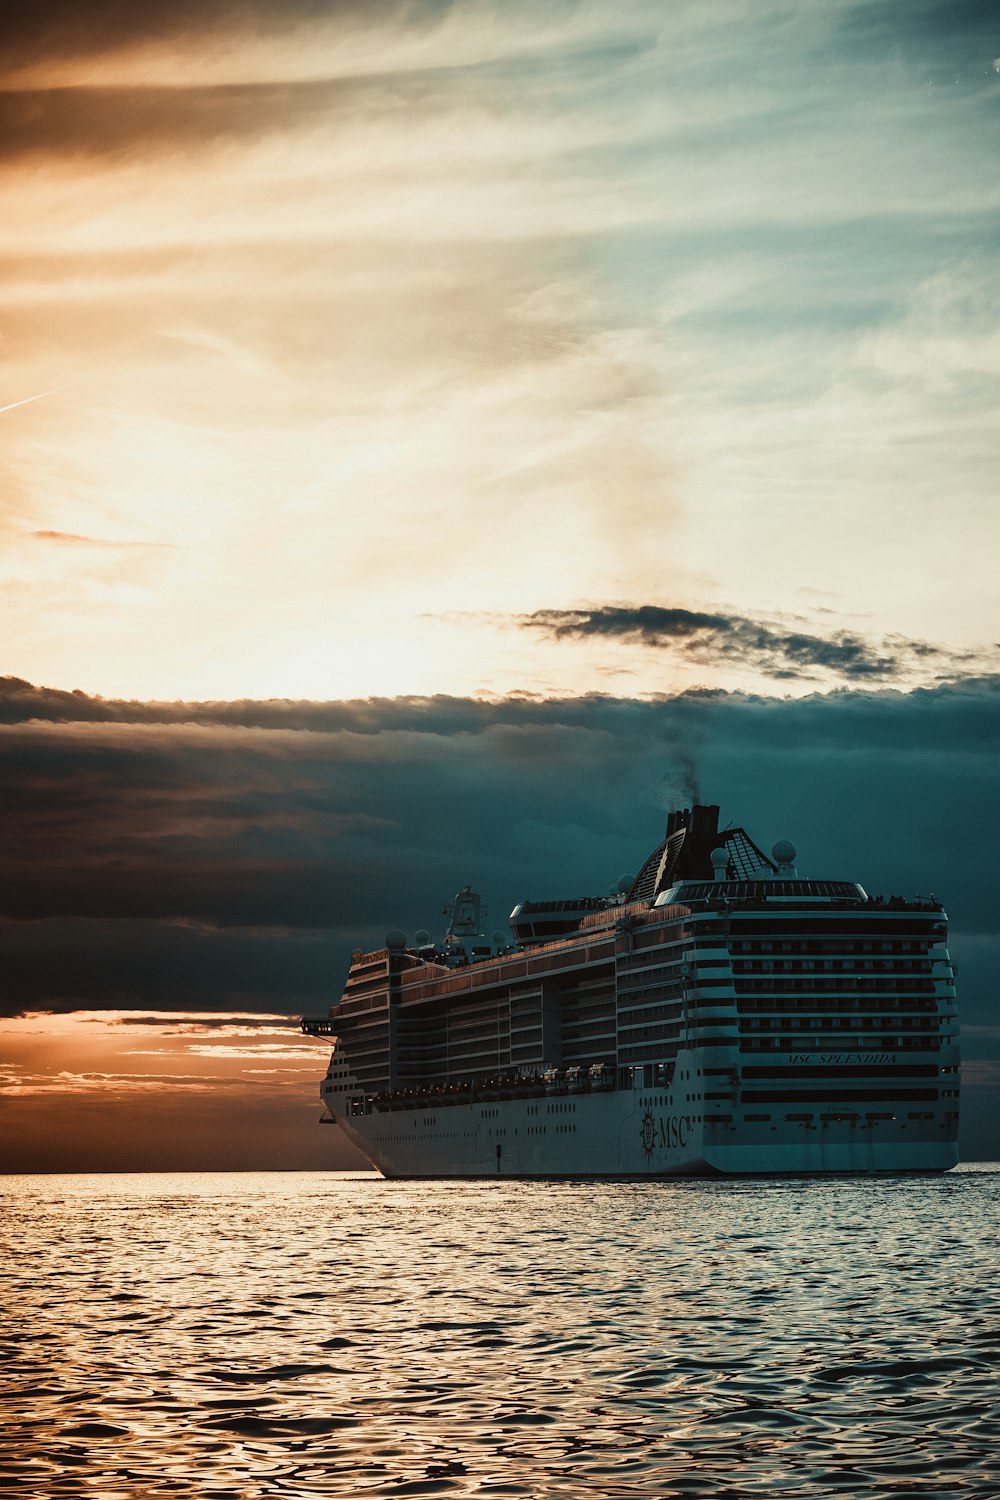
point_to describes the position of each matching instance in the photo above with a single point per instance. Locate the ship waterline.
(631, 1134)
(716, 1015)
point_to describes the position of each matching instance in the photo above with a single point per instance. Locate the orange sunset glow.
(117, 1090)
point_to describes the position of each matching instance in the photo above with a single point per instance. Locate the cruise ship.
(716, 1014)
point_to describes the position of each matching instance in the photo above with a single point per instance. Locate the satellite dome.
(499, 939)
(395, 940)
(421, 937)
(625, 883)
(720, 862)
(783, 853)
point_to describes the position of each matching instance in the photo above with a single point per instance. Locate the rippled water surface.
(312, 1334)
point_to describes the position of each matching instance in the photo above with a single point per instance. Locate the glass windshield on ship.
(713, 892)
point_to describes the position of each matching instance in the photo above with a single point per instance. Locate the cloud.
(586, 277)
(132, 1083)
(303, 39)
(59, 29)
(278, 1053)
(69, 538)
(773, 650)
(227, 857)
(176, 1024)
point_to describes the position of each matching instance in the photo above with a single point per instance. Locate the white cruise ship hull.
(631, 1133)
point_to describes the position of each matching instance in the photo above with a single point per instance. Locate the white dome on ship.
(783, 853)
(395, 940)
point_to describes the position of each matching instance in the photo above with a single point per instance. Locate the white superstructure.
(746, 1021)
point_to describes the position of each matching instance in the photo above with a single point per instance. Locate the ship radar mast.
(464, 937)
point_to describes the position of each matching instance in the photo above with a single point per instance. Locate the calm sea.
(313, 1334)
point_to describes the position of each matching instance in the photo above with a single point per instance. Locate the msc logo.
(671, 1131)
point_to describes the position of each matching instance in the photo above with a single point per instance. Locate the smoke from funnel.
(681, 784)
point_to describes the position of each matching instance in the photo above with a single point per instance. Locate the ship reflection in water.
(309, 1335)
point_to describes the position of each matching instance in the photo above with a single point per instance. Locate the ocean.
(316, 1334)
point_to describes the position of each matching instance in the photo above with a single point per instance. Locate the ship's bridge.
(543, 921)
(774, 890)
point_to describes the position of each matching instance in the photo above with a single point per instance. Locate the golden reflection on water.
(308, 1334)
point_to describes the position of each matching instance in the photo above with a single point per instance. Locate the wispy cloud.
(221, 1049)
(365, 292)
(28, 400)
(70, 539)
(774, 649)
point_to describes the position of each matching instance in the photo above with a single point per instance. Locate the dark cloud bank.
(943, 38)
(219, 855)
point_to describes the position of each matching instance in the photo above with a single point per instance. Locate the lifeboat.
(601, 1078)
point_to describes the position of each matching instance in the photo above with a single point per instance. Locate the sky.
(435, 440)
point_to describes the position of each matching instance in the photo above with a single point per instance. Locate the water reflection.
(305, 1334)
